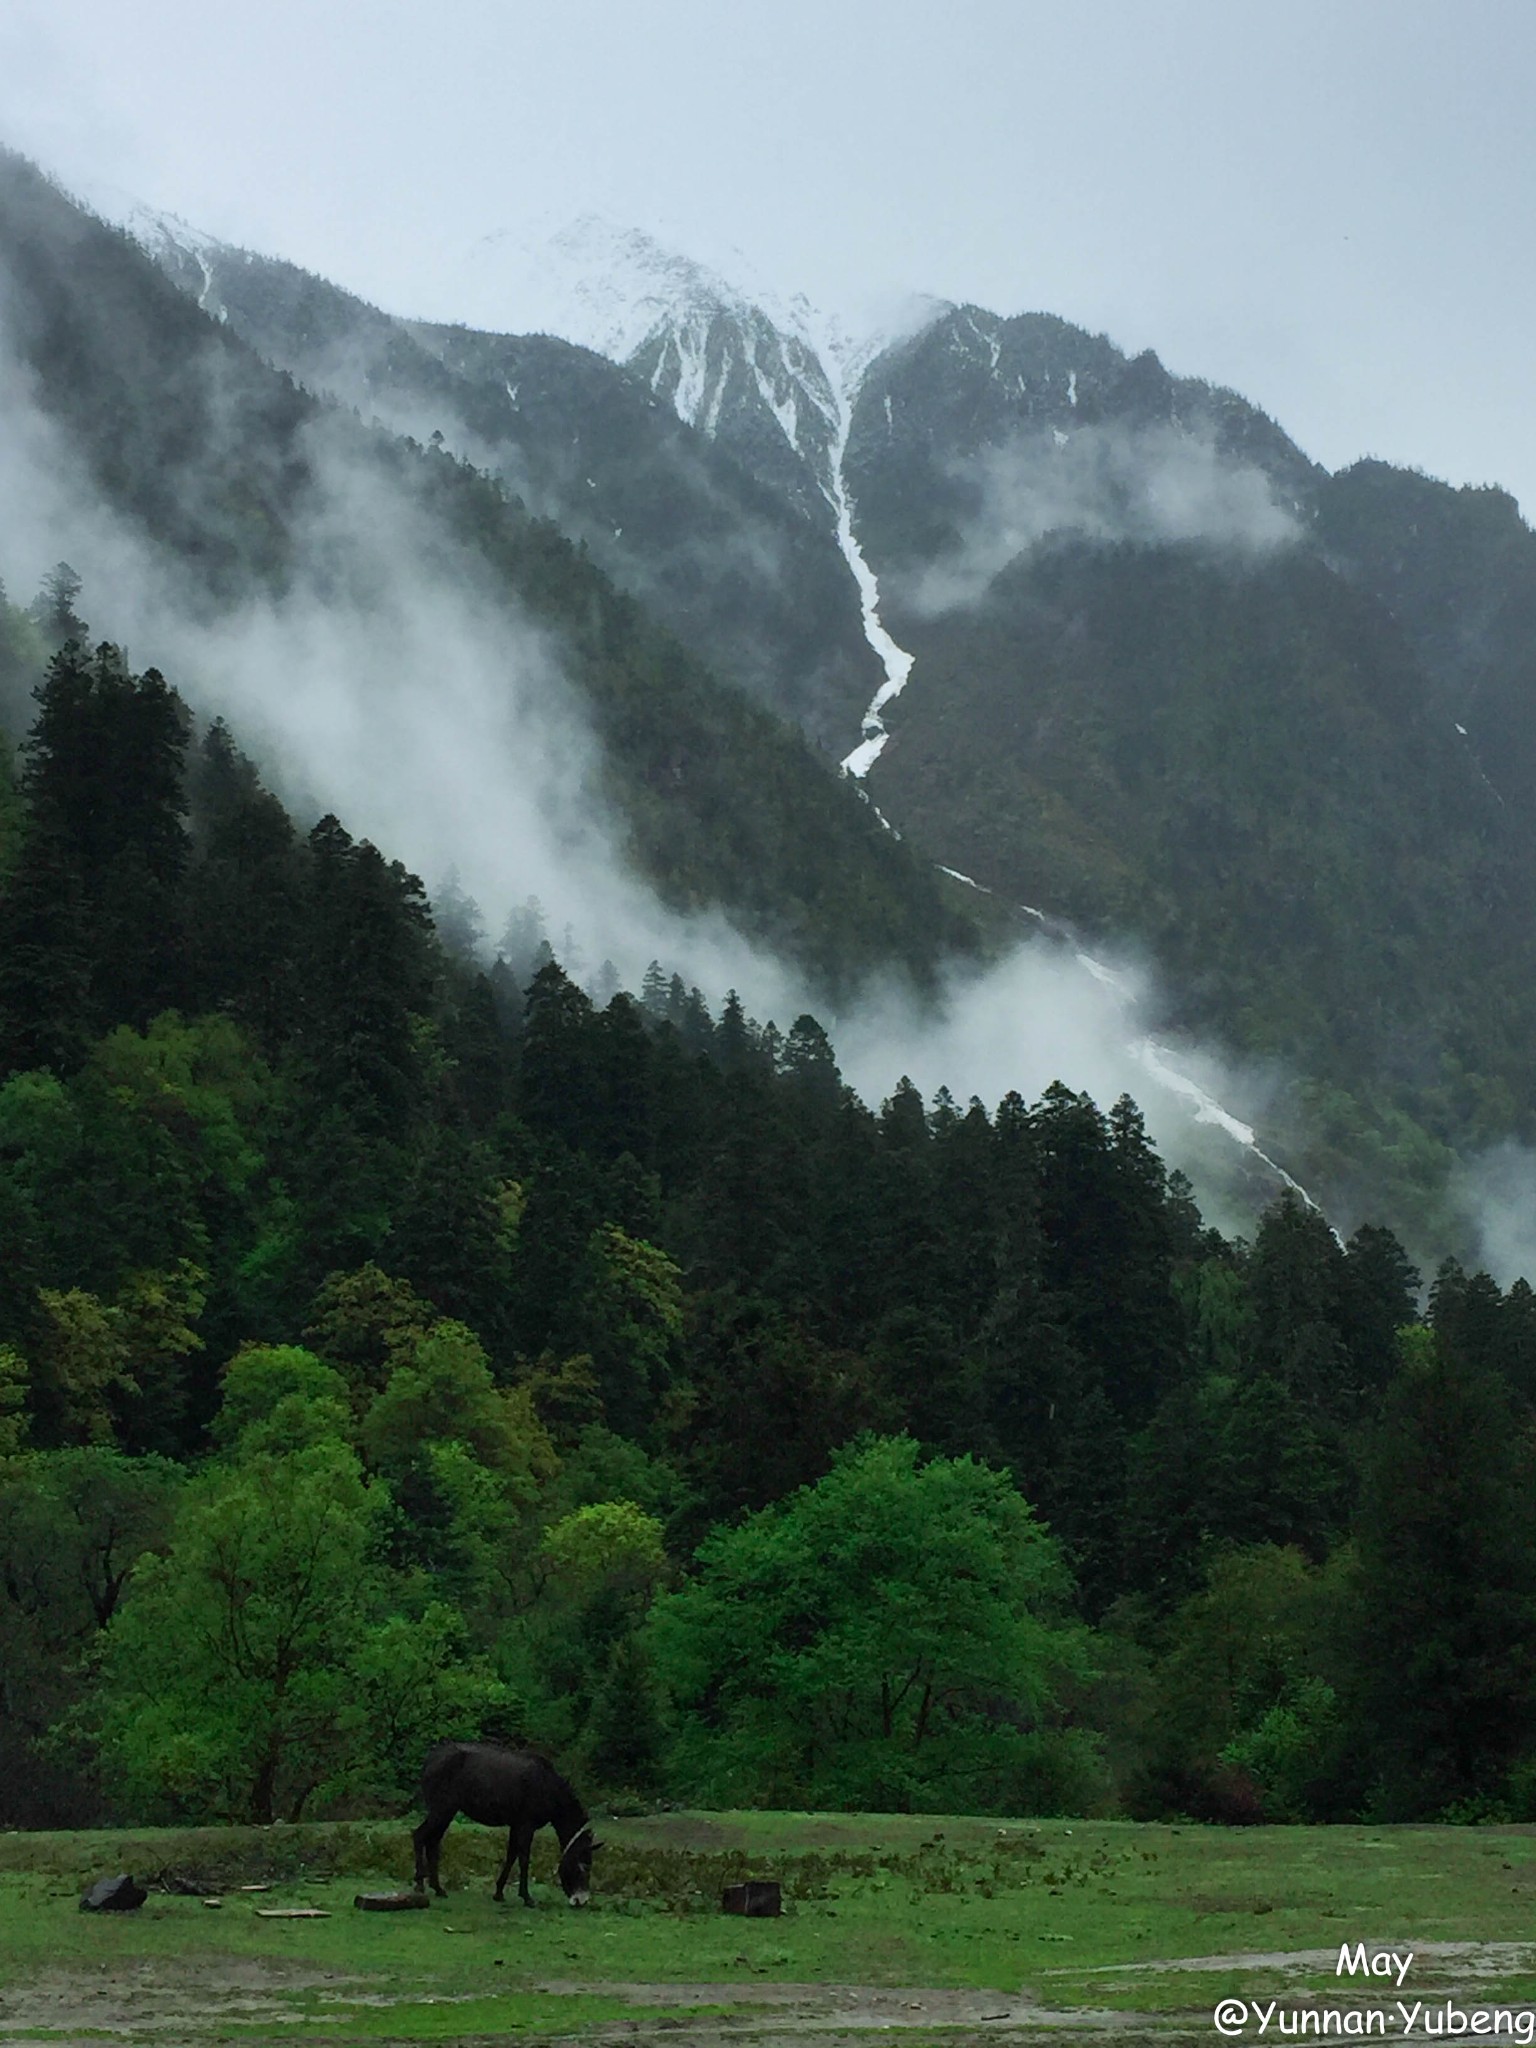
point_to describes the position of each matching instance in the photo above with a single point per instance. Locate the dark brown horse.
(503, 1788)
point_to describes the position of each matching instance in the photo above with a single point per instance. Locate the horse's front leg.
(525, 1848)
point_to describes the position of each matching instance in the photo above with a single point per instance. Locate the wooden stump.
(758, 1899)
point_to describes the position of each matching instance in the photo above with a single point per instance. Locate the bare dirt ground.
(254, 2003)
(152, 2001)
(167, 2009)
(792, 2011)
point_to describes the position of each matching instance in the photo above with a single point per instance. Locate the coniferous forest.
(392, 1348)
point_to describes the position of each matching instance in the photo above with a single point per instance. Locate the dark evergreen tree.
(104, 791)
(1379, 1297)
(733, 1043)
(808, 1063)
(476, 1044)
(622, 1114)
(1446, 1643)
(1107, 1247)
(368, 972)
(46, 1012)
(247, 897)
(458, 919)
(557, 1057)
(653, 991)
(56, 608)
(770, 1404)
(451, 1238)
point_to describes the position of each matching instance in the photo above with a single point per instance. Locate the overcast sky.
(1328, 204)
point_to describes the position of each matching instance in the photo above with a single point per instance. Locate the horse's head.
(576, 1865)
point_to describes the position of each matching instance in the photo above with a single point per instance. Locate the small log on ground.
(390, 1902)
(758, 1899)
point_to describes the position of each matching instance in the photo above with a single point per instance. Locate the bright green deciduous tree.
(597, 1571)
(608, 1542)
(80, 1366)
(892, 1636)
(441, 1391)
(227, 1678)
(364, 1322)
(264, 1663)
(1244, 1719)
(631, 1324)
(13, 1401)
(466, 1462)
(279, 1397)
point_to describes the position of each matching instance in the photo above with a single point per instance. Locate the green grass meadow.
(1069, 1915)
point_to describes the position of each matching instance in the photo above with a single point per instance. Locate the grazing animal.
(504, 1788)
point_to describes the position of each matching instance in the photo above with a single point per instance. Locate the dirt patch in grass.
(848, 2005)
(253, 2002)
(155, 1998)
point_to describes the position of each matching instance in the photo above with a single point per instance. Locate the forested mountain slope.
(745, 575)
(1164, 678)
(1246, 765)
(930, 410)
(547, 1363)
(595, 1368)
(1171, 679)
(245, 488)
(1457, 570)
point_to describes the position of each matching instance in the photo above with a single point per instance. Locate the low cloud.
(1497, 1194)
(1048, 1012)
(1110, 483)
(432, 718)
(386, 686)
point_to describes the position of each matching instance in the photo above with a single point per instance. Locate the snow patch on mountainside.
(174, 243)
(733, 359)
(1156, 1060)
(603, 287)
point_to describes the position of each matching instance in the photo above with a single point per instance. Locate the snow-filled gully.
(1155, 1060)
(895, 660)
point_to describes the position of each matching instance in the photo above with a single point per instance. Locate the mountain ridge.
(1107, 643)
(218, 460)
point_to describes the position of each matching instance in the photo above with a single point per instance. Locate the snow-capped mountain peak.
(602, 286)
(735, 359)
(181, 249)
(767, 375)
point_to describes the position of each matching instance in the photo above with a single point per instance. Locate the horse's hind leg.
(506, 1868)
(428, 1840)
